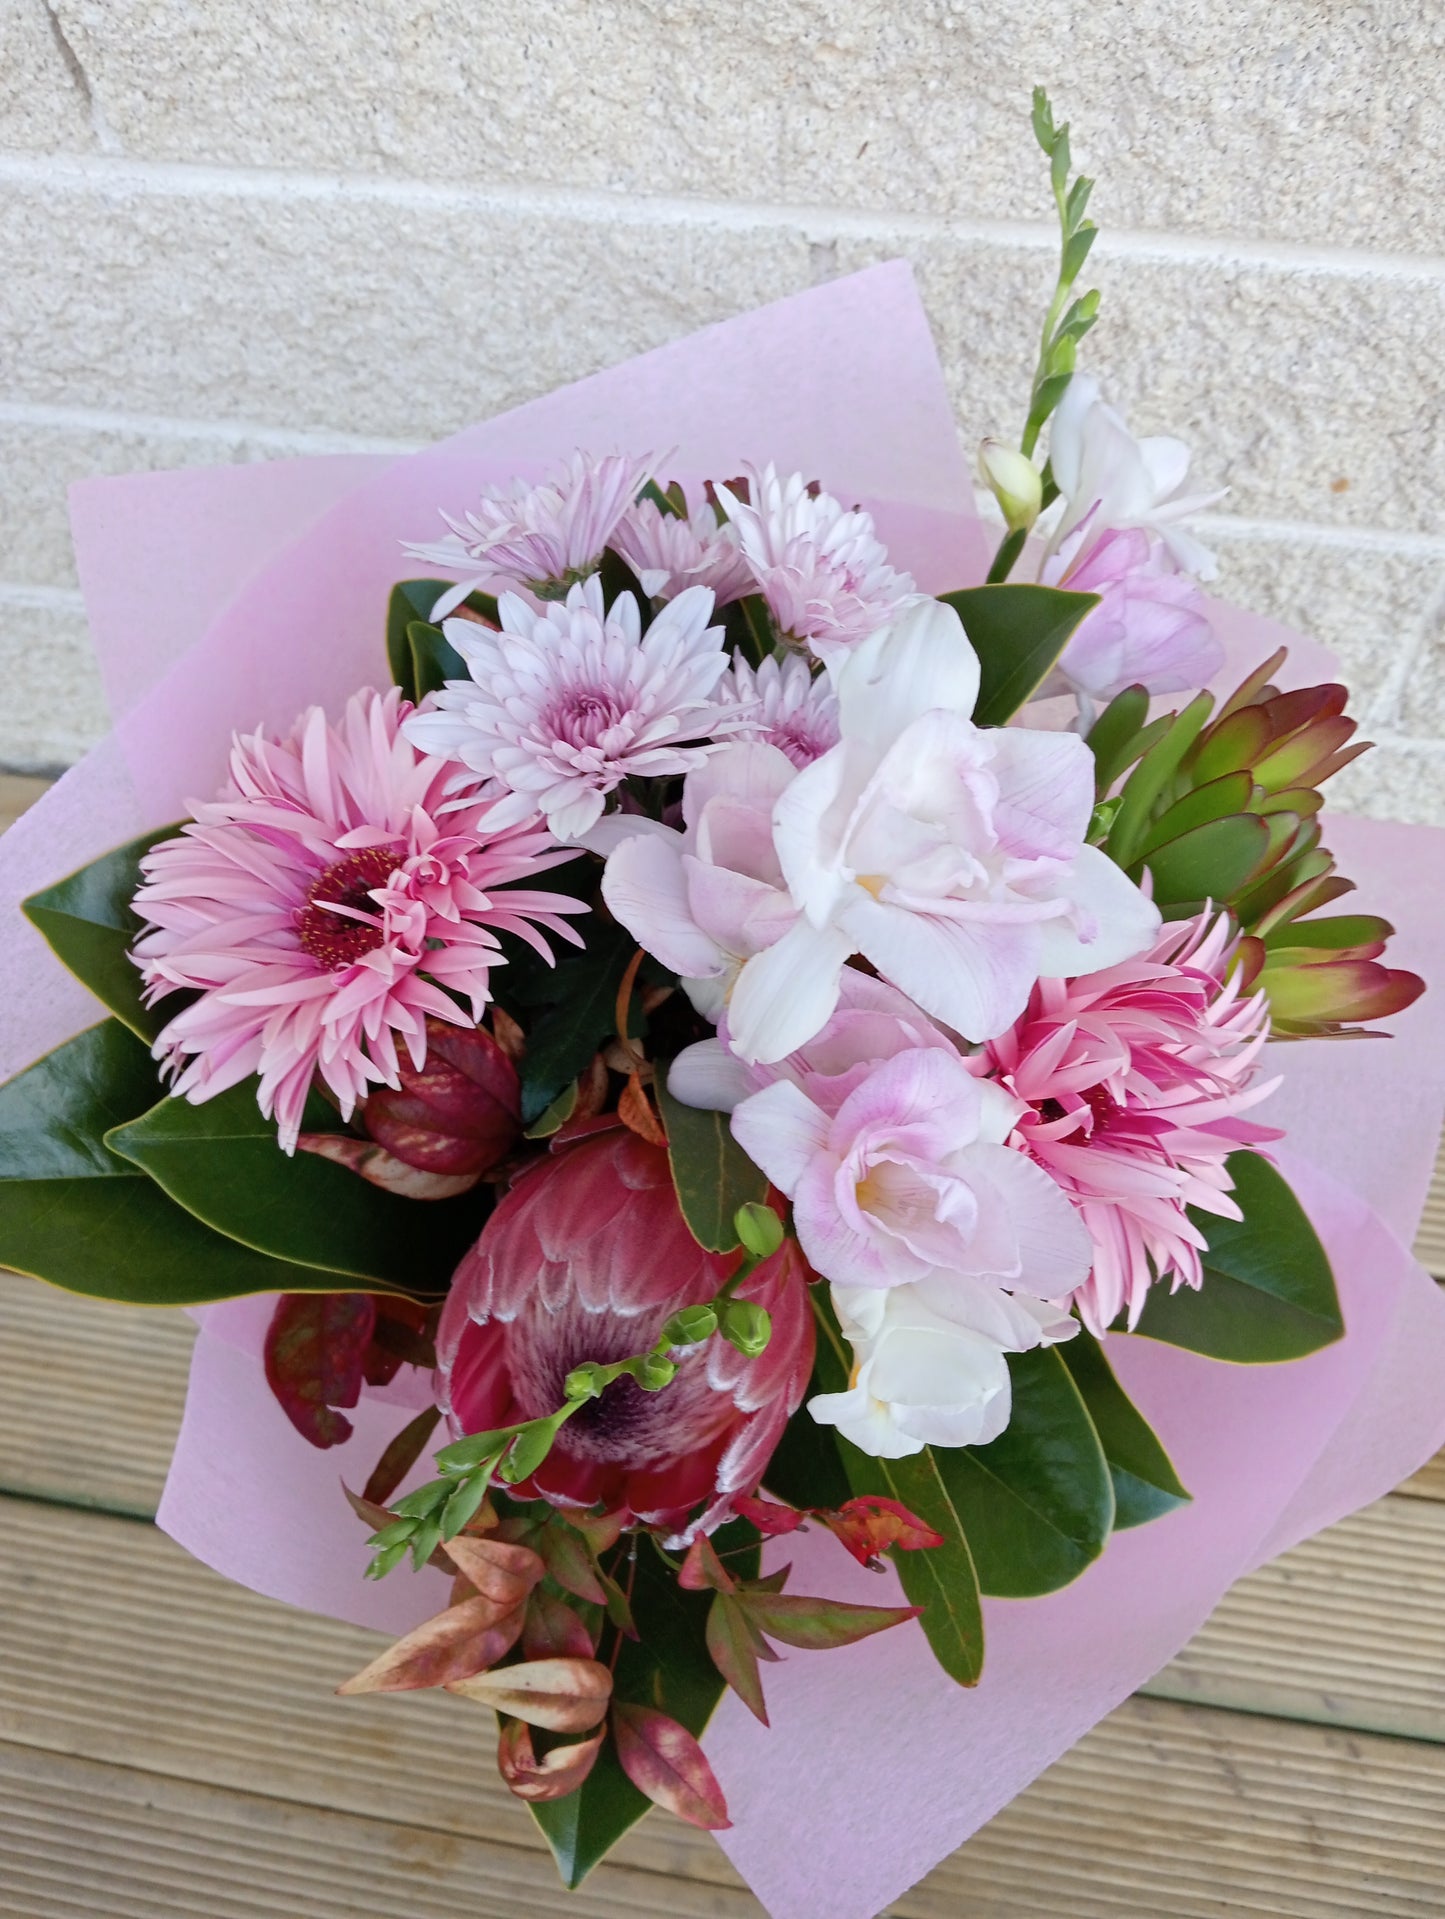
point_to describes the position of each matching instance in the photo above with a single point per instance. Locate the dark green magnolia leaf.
(76, 1214)
(668, 1668)
(1210, 863)
(434, 660)
(617, 578)
(749, 627)
(220, 1160)
(582, 996)
(1268, 1292)
(1018, 632)
(88, 922)
(412, 601)
(942, 1580)
(1146, 1485)
(1037, 1503)
(712, 1173)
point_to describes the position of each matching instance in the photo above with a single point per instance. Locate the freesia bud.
(460, 1115)
(1014, 481)
(691, 1326)
(583, 1382)
(654, 1372)
(759, 1230)
(747, 1327)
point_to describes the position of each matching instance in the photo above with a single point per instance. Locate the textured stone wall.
(232, 230)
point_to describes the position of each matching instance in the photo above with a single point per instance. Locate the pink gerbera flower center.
(339, 923)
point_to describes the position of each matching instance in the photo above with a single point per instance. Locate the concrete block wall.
(232, 231)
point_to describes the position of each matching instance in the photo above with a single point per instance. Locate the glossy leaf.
(220, 1160)
(1113, 738)
(411, 604)
(1018, 632)
(663, 1760)
(458, 1644)
(668, 1667)
(557, 1773)
(1037, 1503)
(943, 1581)
(500, 1571)
(315, 1358)
(1218, 800)
(581, 1000)
(1146, 1485)
(87, 921)
(1146, 784)
(734, 1654)
(1268, 1292)
(1212, 862)
(560, 1695)
(711, 1172)
(76, 1214)
(818, 1625)
(554, 1630)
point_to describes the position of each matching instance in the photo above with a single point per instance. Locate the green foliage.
(90, 926)
(1146, 1485)
(418, 655)
(221, 1161)
(1037, 1503)
(1018, 632)
(77, 1214)
(1068, 318)
(1268, 1292)
(713, 1176)
(579, 996)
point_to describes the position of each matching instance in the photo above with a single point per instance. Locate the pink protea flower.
(820, 566)
(336, 894)
(566, 703)
(784, 703)
(545, 536)
(669, 553)
(1136, 1080)
(585, 1259)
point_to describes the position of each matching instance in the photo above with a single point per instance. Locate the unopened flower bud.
(759, 1229)
(584, 1382)
(690, 1326)
(1014, 481)
(460, 1115)
(746, 1326)
(653, 1373)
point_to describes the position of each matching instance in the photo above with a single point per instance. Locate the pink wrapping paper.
(224, 597)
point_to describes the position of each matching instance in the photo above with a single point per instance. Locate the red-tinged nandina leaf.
(772, 1582)
(555, 1774)
(399, 1458)
(870, 1524)
(403, 1336)
(619, 1606)
(703, 1571)
(634, 1109)
(732, 1645)
(563, 1695)
(553, 1630)
(501, 1573)
(380, 1168)
(665, 1762)
(569, 1561)
(601, 1530)
(768, 1516)
(315, 1350)
(371, 1511)
(817, 1625)
(507, 1033)
(459, 1642)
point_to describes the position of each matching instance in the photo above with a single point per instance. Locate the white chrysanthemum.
(784, 703)
(669, 553)
(565, 703)
(821, 566)
(545, 536)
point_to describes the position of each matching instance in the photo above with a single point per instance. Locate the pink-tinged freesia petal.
(920, 663)
(1109, 920)
(784, 994)
(781, 1131)
(645, 887)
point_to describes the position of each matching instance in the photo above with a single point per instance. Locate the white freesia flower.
(952, 857)
(1111, 480)
(930, 1362)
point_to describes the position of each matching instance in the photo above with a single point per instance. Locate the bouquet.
(701, 1052)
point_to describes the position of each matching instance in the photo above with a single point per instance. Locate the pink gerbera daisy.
(1135, 1080)
(545, 536)
(337, 893)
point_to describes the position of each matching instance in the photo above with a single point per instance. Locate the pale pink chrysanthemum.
(820, 566)
(545, 536)
(565, 703)
(669, 553)
(336, 893)
(1136, 1079)
(785, 703)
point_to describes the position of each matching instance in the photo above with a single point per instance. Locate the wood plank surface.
(17, 792)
